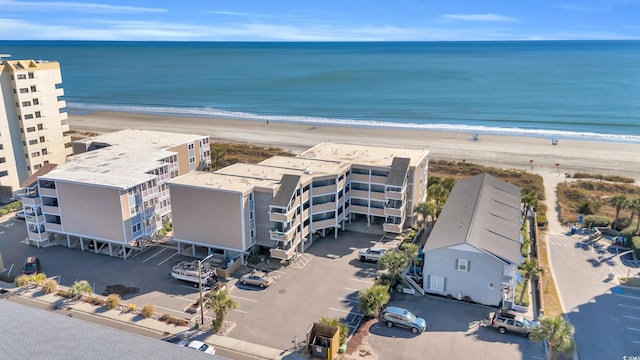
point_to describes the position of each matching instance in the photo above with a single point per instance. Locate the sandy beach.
(515, 152)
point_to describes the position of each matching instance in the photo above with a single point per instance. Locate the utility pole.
(200, 288)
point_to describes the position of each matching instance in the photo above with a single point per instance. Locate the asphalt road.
(606, 317)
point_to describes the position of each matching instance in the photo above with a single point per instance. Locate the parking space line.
(195, 285)
(241, 298)
(345, 299)
(352, 289)
(240, 311)
(628, 296)
(351, 326)
(631, 306)
(154, 255)
(364, 281)
(165, 260)
(346, 312)
(277, 271)
(631, 317)
(149, 248)
(160, 307)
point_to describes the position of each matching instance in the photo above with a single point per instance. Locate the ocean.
(563, 89)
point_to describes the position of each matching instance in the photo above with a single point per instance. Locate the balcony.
(59, 92)
(359, 193)
(31, 201)
(393, 195)
(65, 127)
(280, 217)
(323, 224)
(48, 192)
(53, 227)
(282, 236)
(376, 211)
(62, 104)
(392, 228)
(360, 178)
(34, 218)
(323, 190)
(378, 179)
(378, 196)
(150, 193)
(54, 210)
(282, 254)
(358, 209)
(34, 236)
(330, 206)
(394, 212)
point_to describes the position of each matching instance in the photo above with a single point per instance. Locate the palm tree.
(448, 183)
(412, 252)
(634, 206)
(432, 180)
(220, 302)
(530, 270)
(373, 299)
(529, 199)
(426, 209)
(619, 202)
(557, 333)
(217, 156)
(80, 288)
(394, 262)
(344, 331)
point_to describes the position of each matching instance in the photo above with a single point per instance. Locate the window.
(38, 115)
(36, 167)
(437, 283)
(24, 90)
(44, 152)
(41, 139)
(31, 129)
(22, 77)
(28, 117)
(31, 76)
(136, 227)
(46, 162)
(1, 146)
(40, 127)
(33, 88)
(26, 103)
(463, 265)
(33, 142)
(36, 102)
(35, 154)
(192, 159)
(190, 147)
(2, 160)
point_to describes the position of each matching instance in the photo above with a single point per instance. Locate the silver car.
(506, 321)
(256, 278)
(396, 316)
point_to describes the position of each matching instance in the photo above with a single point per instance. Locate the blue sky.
(318, 20)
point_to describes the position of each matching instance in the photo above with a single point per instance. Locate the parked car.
(508, 321)
(199, 345)
(32, 266)
(370, 254)
(20, 215)
(256, 278)
(396, 316)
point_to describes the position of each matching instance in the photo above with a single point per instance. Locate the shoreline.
(503, 151)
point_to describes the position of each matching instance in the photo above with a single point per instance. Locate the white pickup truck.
(370, 254)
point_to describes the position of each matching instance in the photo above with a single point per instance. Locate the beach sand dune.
(511, 152)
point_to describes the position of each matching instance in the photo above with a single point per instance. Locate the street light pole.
(200, 289)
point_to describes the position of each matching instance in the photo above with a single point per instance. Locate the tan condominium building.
(282, 203)
(32, 121)
(111, 195)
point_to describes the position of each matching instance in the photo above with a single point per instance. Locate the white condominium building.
(112, 194)
(32, 121)
(282, 202)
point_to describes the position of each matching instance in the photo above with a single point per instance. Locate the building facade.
(282, 202)
(111, 195)
(33, 123)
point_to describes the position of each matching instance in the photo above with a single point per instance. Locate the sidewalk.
(71, 306)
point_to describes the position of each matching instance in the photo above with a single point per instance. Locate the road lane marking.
(165, 260)
(346, 312)
(364, 281)
(241, 298)
(154, 255)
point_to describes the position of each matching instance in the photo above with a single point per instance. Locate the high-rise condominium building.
(32, 121)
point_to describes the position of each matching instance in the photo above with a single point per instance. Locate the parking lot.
(323, 282)
(455, 330)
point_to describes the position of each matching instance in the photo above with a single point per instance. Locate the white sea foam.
(212, 112)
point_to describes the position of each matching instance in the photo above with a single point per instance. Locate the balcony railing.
(323, 224)
(376, 211)
(34, 218)
(323, 190)
(280, 217)
(394, 212)
(360, 193)
(358, 209)
(282, 254)
(48, 191)
(392, 228)
(323, 207)
(378, 179)
(51, 210)
(394, 195)
(360, 177)
(32, 201)
(53, 227)
(34, 236)
(282, 236)
(377, 196)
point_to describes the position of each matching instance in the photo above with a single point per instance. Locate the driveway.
(455, 330)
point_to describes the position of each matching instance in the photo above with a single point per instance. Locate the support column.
(69, 242)
(368, 220)
(335, 236)
(193, 250)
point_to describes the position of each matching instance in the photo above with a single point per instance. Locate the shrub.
(49, 286)
(64, 293)
(596, 221)
(148, 311)
(132, 308)
(22, 280)
(629, 233)
(3, 212)
(113, 301)
(253, 259)
(467, 298)
(165, 317)
(162, 232)
(37, 279)
(623, 223)
(635, 245)
(588, 207)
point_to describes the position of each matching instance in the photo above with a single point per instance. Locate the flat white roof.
(363, 154)
(260, 172)
(307, 166)
(143, 139)
(223, 182)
